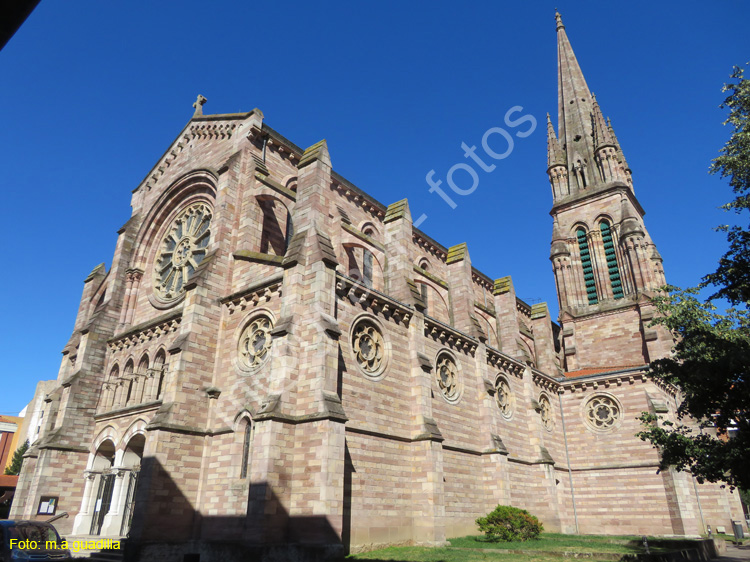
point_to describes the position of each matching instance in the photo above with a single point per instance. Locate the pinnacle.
(555, 156)
(602, 133)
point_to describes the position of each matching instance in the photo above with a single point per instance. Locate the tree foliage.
(14, 468)
(711, 363)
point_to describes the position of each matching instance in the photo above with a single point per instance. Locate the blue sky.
(94, 92)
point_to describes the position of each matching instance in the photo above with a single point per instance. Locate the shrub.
(508, 524)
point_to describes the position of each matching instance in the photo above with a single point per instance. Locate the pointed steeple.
(555, 156)
(575, 107)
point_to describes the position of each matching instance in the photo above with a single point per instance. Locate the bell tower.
(606, 266)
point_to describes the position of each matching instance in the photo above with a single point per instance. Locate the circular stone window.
(602, 412)
(504, 397)
(255, 344)
(446, 376)
(545, 410)
(369, 348)
(181, 250)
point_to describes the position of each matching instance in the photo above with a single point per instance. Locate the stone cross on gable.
(198, 105)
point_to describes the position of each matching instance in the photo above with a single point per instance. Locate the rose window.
(602, 412)
(182, 249)
(504, 397)
(546, 412)
(447, 378)
(369, 348)
(255, 343)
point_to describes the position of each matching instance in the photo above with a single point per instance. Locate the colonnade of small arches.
(133, 386)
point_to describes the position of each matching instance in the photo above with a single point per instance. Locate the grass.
(450, 554)
(474, 548)
(556, 542)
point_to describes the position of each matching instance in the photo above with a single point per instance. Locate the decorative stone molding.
(504, 363)
(449, 336)
(429, 245)
(355, 195)
(213, 130)
(147, 331)
(369, 298)
(257, 294)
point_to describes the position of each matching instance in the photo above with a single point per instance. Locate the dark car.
(30, 540)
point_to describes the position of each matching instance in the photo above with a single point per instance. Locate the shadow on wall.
(167, 528)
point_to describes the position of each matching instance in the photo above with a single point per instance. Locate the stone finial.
(558, 20)
(198, 105)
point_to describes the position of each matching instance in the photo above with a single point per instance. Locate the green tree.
(711, 363)
(14, 468)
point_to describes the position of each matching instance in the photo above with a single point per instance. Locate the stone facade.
(276, 360)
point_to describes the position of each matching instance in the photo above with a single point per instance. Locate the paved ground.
(735, 554)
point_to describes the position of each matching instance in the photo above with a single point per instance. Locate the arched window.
(276, 228)
(588, 270)
(247, 435)
(129, 378)
(114, 375)
(609, 252)
(159, 373)
(142, 373)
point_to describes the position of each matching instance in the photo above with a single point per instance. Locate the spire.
(574, 98)
(555, 156)
(602, 133)
(575, 107)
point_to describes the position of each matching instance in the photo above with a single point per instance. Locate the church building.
(275, 361)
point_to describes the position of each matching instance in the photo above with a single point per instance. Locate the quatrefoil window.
(255, 343)
(369, 348)
(602, 412)
(182, 249)
(504, 397)
(548, 420)
(446, 375)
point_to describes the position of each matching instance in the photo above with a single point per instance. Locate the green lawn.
(542, 549)
(556, 542)
(422, 554)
